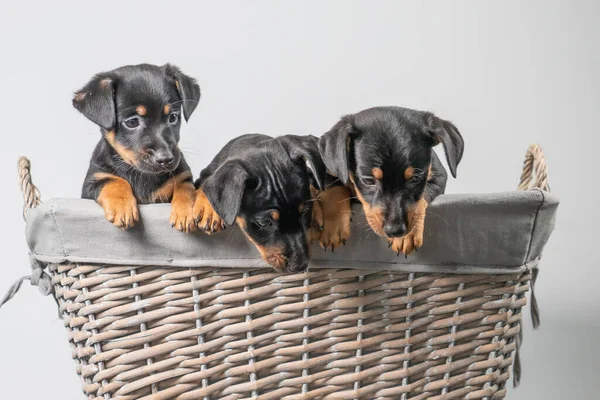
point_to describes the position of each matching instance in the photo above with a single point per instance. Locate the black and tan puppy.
(264, 185)
(139, 109)
(384, 155)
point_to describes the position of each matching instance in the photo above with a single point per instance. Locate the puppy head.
(386, 154)
(266, 190)
(139, 110)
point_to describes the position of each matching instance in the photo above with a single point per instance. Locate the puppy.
(265, 185)
(384, 155)
(139, 109)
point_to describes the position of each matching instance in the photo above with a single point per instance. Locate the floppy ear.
(334, 146)
(305, 149)
(445, 132)
(224, 190)
(188, 89)
(96, 100)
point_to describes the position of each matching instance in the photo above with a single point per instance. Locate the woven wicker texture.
(149, 333)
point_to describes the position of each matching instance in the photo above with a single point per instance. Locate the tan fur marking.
(117, 200)
(127, 155)
(141, 110)
(429, 173)
(301, 208)
(335, 209)
(416, 226)
(275, 215)
(207, 218)
(374, 215)
(377, 173)
(272, 255)
(182, 203)
(79, 96)
(167, 109)
(164, 194)
(177, 84)
(408, 173)
(105, 83)
(241, 222)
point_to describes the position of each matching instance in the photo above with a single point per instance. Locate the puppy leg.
(182, 207)
(336, 209)
(179, 190)
(416, 225)
(117, 200)
(205, 217)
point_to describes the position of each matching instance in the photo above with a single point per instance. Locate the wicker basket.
(144, 332)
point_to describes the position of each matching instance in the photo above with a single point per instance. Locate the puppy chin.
(277, 261)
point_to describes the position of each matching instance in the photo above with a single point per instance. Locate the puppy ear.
(225, 188)
(445, 132)
(188, 89)
(334, 147)
(96, 100)
(306, 149)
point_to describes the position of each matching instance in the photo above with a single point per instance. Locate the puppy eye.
(173, 118)
(367, 181)
(263, 223)
(132, 123)
(416, 179)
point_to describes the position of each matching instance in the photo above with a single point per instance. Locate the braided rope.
(535, 163)
(31, 194)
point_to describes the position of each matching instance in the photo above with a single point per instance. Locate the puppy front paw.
(182, 208)
(205, 217)
(121, 211)
(119, 203)
(413, 240)
(407, 243)
(182, 216)
(336, 209)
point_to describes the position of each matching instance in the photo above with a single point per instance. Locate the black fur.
(145, 156)
(393, 139)
(254, 175)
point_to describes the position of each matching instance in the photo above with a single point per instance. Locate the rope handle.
(31, 194)
(534, 164)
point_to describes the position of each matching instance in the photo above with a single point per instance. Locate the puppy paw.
(407, 243)
(337, 212)
(182, 207)
(119, 203)
(122, 212)
(413, 240)
(205, 216)
(182, 216)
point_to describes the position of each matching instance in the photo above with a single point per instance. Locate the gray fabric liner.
(485, 233)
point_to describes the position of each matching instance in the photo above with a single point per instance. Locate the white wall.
(508, 73)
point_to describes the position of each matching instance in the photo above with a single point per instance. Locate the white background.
(507, 73)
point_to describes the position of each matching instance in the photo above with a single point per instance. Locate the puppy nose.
(298, 266)
(394, 229)
(163, 159)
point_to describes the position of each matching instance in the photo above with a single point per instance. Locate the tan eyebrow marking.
(377, 173)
